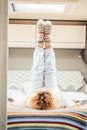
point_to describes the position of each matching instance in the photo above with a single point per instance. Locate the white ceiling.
(77, 12)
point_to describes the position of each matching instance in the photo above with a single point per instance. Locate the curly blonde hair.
(42, 100)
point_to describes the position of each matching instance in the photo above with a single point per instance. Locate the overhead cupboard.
(68, 36)
(21, 35)
(63, 36)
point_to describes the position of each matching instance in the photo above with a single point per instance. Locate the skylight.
(39, 8)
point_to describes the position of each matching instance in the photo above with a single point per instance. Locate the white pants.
(43, 72)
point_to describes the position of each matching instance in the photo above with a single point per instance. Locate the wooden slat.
(55, 22)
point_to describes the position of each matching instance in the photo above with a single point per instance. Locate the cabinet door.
(20, 35)
(68, 36)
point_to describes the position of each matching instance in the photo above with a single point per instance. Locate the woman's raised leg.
(38, 61)
(50, 63)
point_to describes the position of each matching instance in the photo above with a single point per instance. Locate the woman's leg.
(50, 69)
(50, 63)
(50, 72)
(38, 61)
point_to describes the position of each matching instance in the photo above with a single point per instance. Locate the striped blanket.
(47, 120)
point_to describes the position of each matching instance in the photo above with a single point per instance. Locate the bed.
(22, 118)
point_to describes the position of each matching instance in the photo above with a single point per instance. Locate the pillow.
(70, 80)
(17, 78)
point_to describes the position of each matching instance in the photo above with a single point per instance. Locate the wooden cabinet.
(63, 36)
(20, 35)
(68, 36)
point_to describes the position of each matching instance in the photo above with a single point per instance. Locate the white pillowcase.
(70, 79)
(17, 78)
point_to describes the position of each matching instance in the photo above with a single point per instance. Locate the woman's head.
(42, 100)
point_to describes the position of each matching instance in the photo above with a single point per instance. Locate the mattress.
(67, 80)
(64, 119)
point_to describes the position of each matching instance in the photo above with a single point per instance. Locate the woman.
(43, 92)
